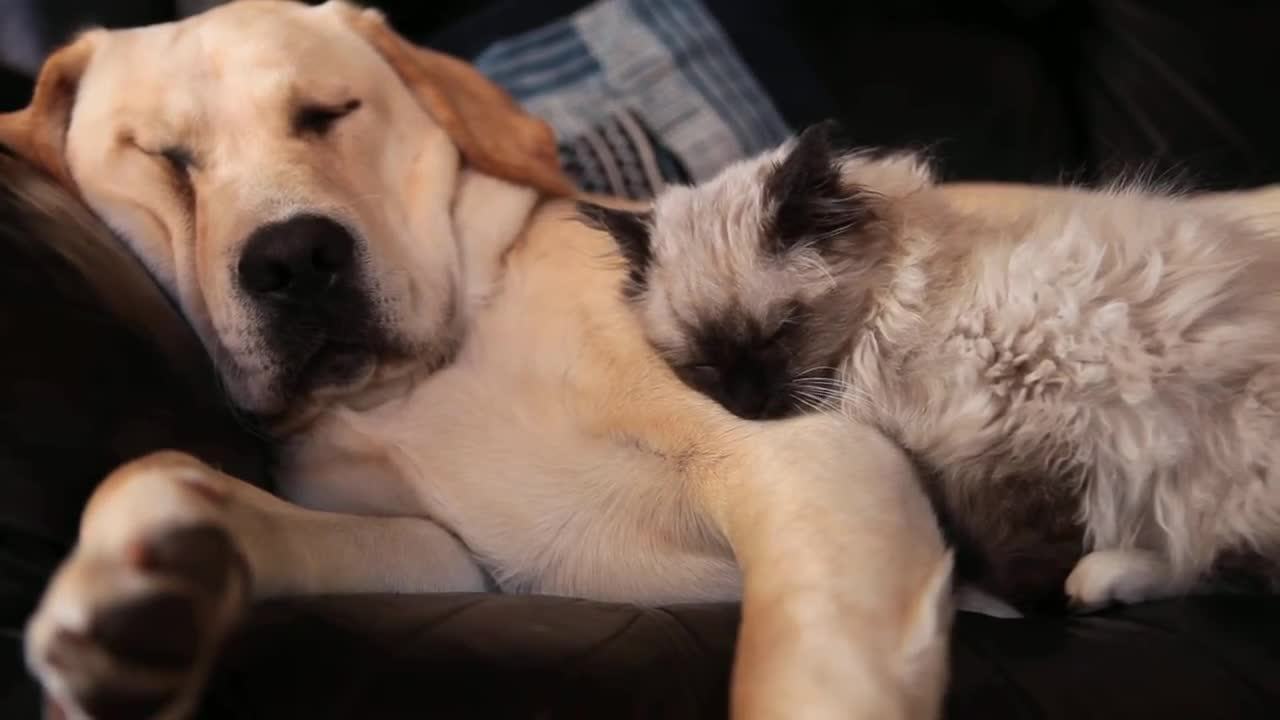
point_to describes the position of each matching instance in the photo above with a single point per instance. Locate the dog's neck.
(489, 215)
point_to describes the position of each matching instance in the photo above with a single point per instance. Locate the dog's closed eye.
(179, 158)
(315, 119)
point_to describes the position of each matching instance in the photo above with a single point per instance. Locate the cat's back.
(1087, 308)
(1136, 281)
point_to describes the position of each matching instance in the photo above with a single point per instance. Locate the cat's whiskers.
(821, 394)
(851, 400)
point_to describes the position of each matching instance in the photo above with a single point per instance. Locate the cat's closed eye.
(701, 375)
(773, 337)
(790, 316)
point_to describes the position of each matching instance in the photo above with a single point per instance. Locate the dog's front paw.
(131, 622)
(1106, 577)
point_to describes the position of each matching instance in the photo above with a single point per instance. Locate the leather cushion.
(504, 656)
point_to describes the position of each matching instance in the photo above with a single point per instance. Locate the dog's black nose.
(296, 259)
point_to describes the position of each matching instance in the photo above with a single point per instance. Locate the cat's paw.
(1107, 577)
(131, 622)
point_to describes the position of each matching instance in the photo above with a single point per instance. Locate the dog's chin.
(335, 365)
(287, 391)
(333, 370)
(281, 391)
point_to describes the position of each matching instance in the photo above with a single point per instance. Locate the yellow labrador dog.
(380, 252)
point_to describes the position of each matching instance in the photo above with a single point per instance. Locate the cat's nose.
(778, 405)
(747, 400)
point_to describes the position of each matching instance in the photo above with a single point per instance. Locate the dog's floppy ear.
(38, 132)
(490, 129)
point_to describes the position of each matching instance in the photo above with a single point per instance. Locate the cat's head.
(747, 284)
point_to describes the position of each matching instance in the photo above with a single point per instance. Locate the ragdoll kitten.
(1093, 390)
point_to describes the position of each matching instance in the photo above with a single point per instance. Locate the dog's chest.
(546, 506)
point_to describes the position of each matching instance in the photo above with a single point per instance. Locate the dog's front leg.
(170, 553)
(847, 584)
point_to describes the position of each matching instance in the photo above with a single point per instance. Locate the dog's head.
(288, 174)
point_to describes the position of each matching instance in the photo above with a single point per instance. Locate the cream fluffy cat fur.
(1093, 390)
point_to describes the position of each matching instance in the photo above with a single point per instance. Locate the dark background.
(1026, 90)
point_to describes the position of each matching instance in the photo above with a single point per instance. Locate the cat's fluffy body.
(1097, 382)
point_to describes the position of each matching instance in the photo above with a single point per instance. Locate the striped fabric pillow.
(641, 93)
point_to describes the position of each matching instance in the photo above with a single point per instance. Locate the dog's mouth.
(333, 365)
(338, 351)
(336, 363)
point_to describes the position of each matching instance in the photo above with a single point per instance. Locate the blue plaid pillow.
(641, 93)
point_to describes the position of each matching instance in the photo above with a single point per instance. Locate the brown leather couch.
(97, 367)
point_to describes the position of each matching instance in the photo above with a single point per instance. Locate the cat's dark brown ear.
(631, 231)
(810, 199)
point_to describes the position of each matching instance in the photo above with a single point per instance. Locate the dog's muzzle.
(303, 280)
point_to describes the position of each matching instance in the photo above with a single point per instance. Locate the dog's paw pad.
(155, 631)
(202, 556)
(131, 636)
